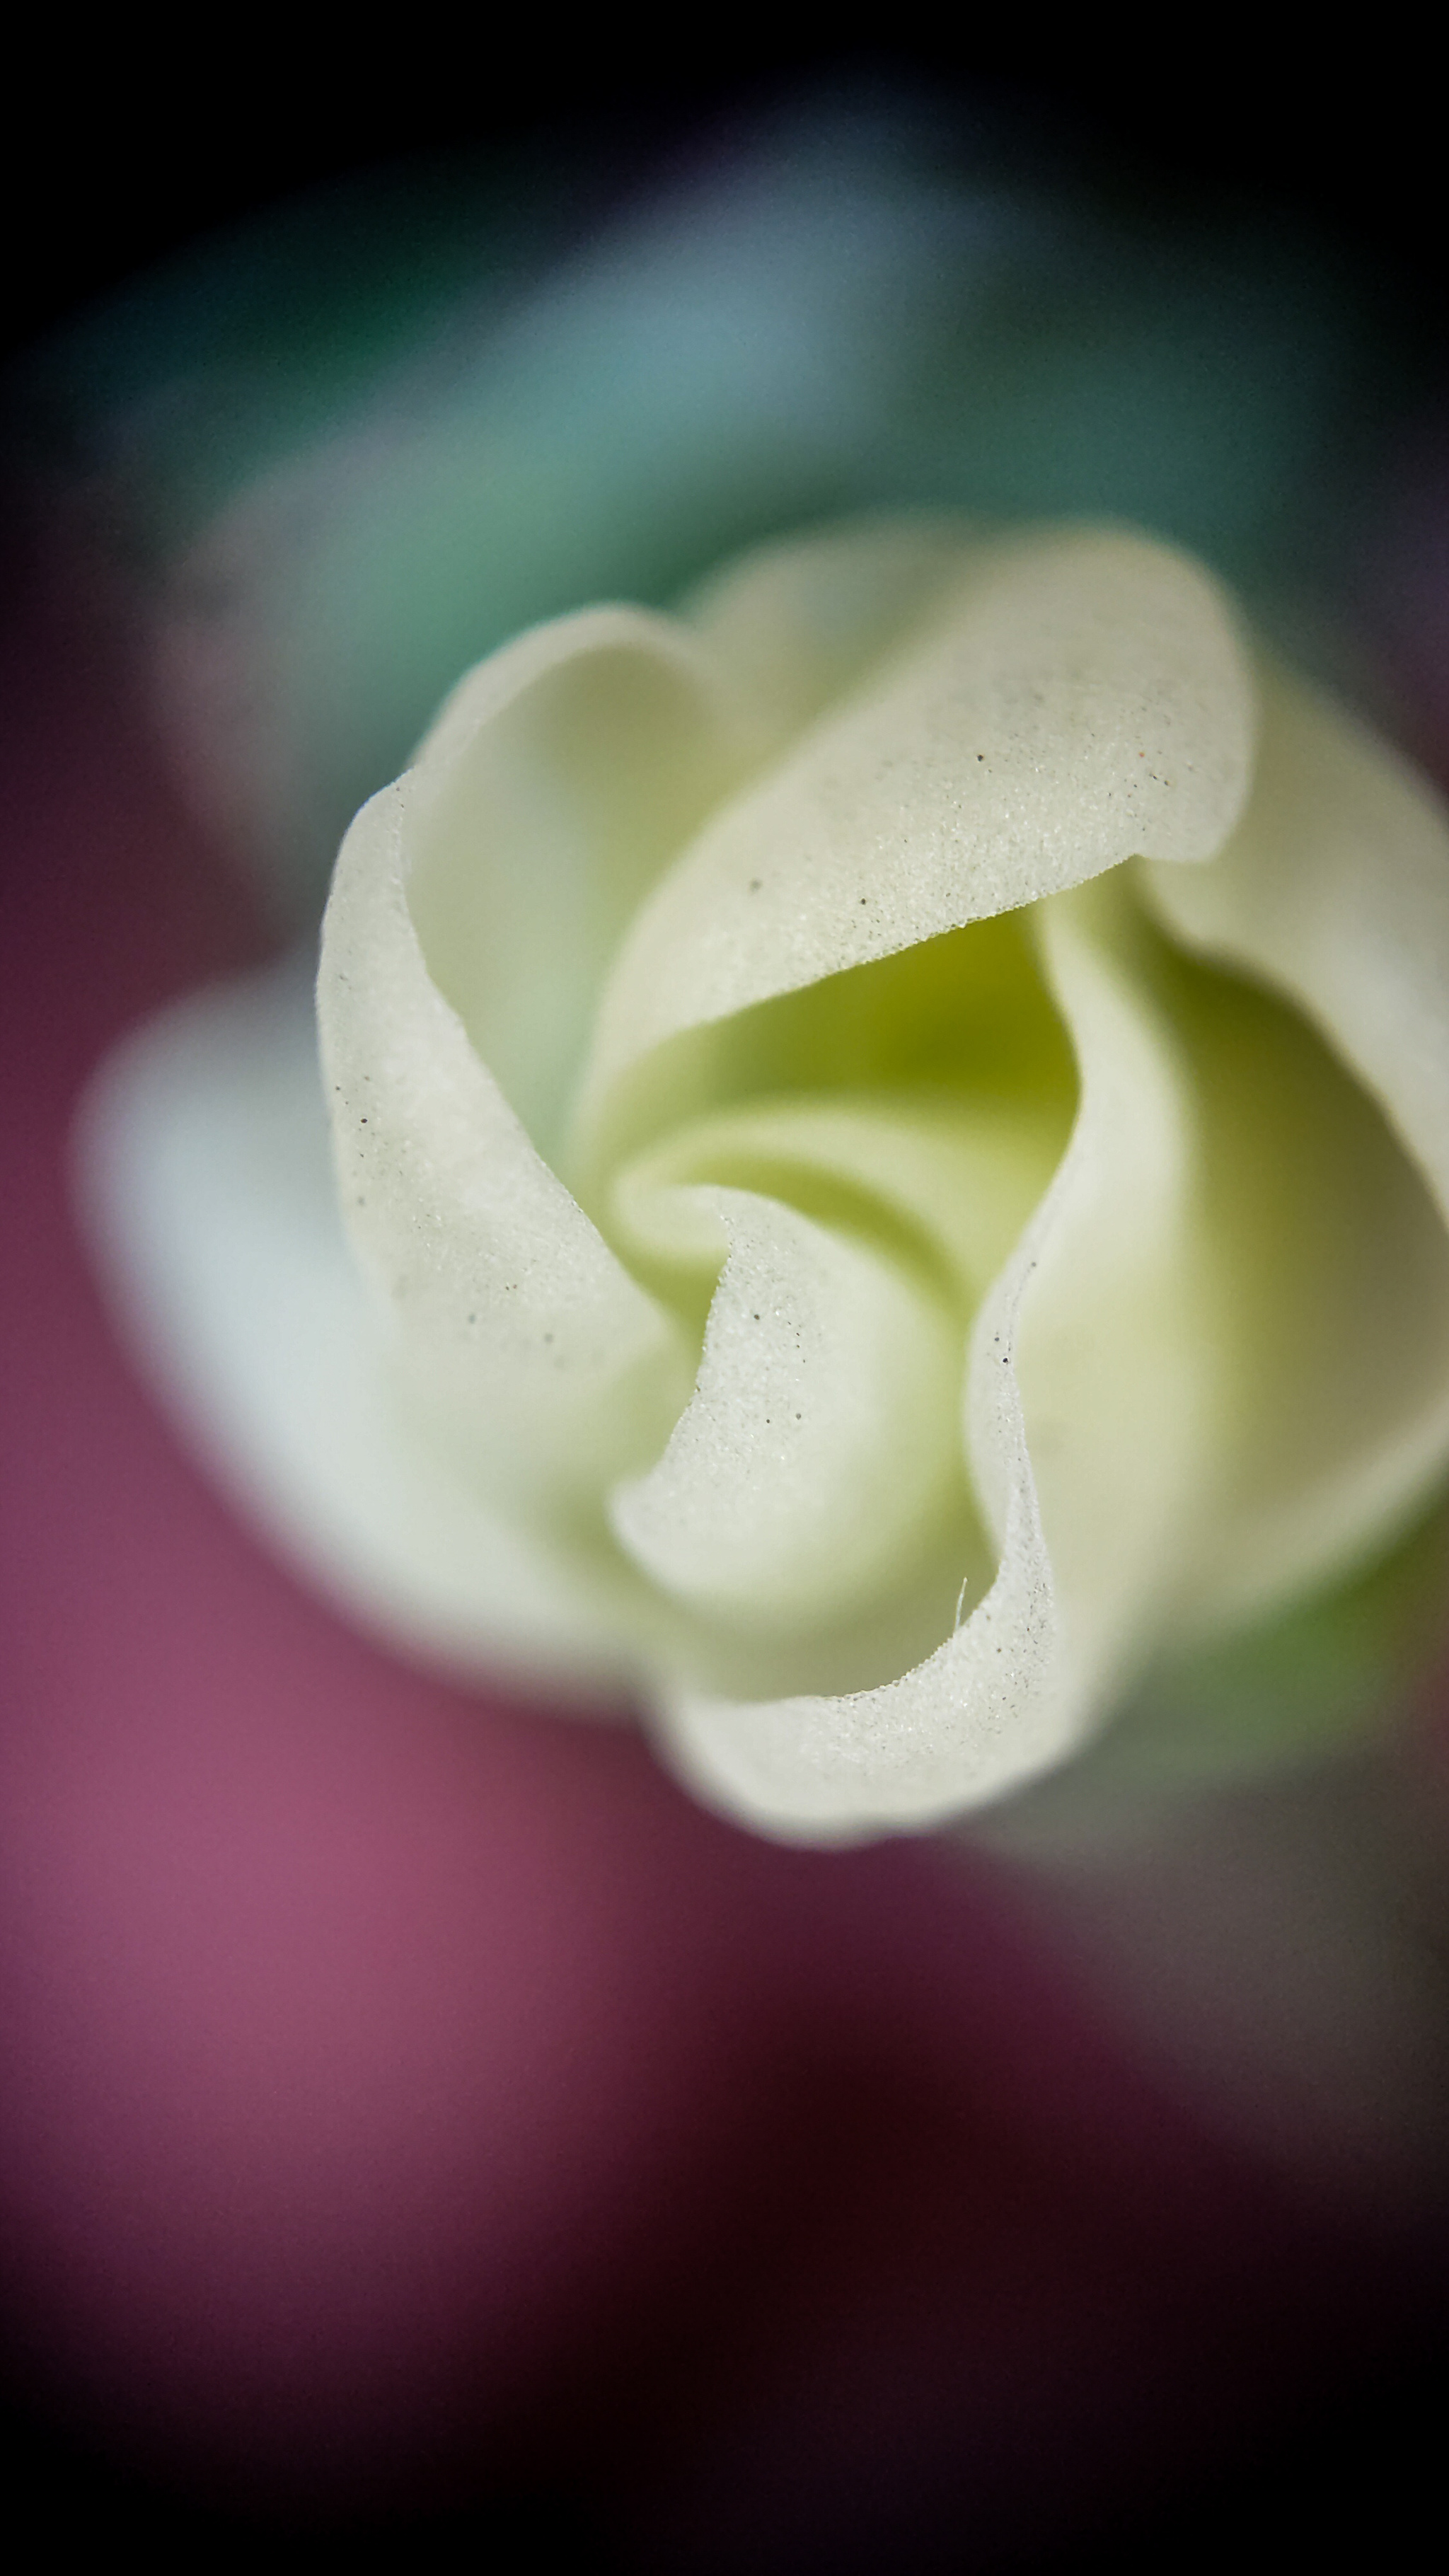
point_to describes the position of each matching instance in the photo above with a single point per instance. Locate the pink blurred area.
(417, 2111)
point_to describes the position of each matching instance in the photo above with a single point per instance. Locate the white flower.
(897, 1127)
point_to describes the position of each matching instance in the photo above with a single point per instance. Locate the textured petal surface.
(979, 1716)
(1084, 1424)
(562, 775)
(1079, 698)
(947, 1182)
(533, 1351)
(819, 1447)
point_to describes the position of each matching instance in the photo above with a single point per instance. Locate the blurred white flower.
(896, 1126)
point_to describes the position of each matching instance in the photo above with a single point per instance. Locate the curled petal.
(1076, 699)
(1121, 1351)
(1085, 1424)
(556, 783)
(1333, 891)
(537, 1357)
(949, 1180)
(977, 1718)
(1335, 887)
(820, 1444)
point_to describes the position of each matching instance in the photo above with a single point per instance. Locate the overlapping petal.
(817, 1451)
(562, 769)
(1333, 1193)
(1335, 889)
(893, 1123)
(1073, 700)
(1086, 1424)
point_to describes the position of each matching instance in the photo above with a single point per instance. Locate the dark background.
(130, 156)
(122, 148)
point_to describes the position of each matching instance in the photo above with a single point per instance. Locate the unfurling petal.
(820, 1444)
(564, 768)
(1086, 1426)
(1331, 1195)
(1070, 701)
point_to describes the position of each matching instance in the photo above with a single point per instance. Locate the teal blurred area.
(337, 451)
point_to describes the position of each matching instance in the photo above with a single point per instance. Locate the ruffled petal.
(953, 1180)
(1223, 1354)
(978, 1717)
(558, 780)
(539, 1361)
(1080, 698)
(1122, 1350)
(1329, 1209)
(821, 1444)
(1335, 888)
(1088, 1414)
